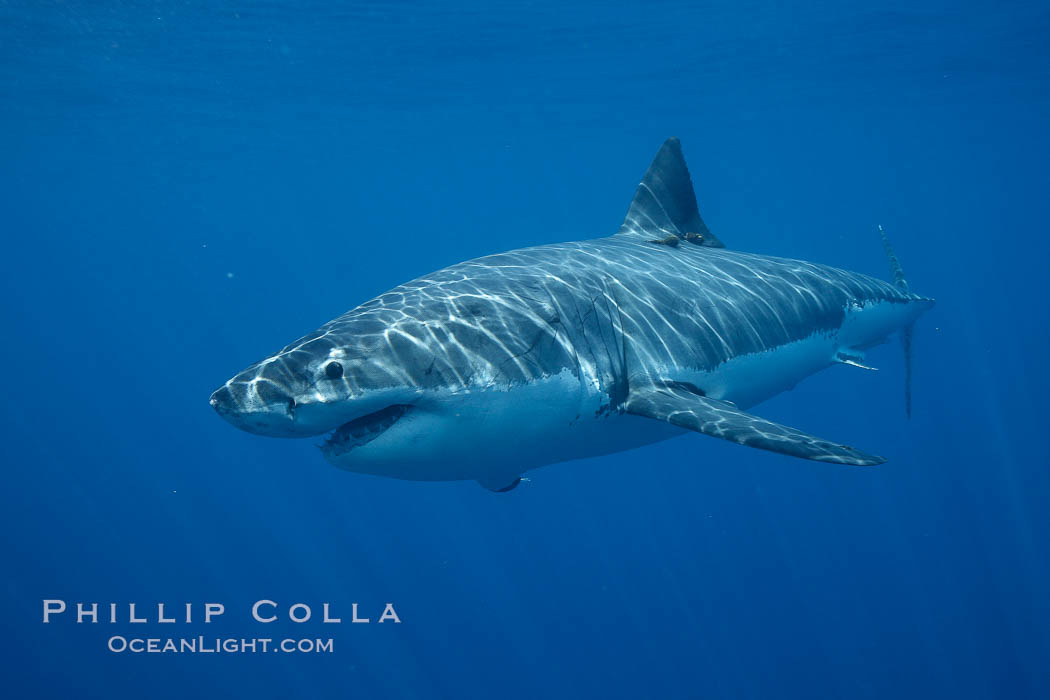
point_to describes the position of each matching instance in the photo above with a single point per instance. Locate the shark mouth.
(361, 431)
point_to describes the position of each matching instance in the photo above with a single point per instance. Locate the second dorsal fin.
(665, 204)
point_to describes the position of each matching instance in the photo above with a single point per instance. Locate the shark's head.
(330, 380)
(438, 383)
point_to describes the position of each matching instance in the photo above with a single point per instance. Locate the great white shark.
(508, 362)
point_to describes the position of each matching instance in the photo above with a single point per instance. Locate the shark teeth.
(363, 430)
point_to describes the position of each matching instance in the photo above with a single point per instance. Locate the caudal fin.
(906, 344)
(902, 283)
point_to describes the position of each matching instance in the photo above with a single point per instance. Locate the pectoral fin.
(680, 405)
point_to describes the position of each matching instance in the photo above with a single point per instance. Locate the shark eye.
(333, 370)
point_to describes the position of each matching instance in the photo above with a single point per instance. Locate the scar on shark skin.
(673, 240)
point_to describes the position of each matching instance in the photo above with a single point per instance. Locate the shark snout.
(257, 407)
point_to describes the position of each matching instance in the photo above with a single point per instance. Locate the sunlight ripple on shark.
(509, 362)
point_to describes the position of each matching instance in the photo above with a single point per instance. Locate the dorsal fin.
(664, 204)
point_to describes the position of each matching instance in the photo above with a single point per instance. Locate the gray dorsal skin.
(504, 363)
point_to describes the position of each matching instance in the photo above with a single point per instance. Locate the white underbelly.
(495, 433)
(750, 379)
(498, 433)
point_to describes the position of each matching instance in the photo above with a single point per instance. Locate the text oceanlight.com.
(217, 645)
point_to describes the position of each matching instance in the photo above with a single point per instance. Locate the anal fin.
(674, 403)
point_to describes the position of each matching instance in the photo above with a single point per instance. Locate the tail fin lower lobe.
(900, 281)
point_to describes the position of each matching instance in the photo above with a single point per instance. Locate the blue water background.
(188, 186)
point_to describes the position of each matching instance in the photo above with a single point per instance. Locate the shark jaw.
(361, 431)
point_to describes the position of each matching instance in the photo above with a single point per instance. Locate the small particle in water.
(229, 275)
